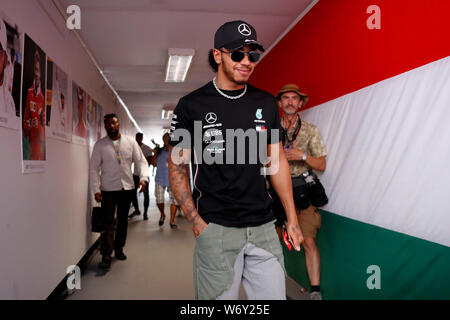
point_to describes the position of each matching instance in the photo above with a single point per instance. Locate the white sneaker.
(316, 295)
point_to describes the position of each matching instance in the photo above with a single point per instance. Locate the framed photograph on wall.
(33, 107)
(11, 48)
(79, 103)
(58, 103)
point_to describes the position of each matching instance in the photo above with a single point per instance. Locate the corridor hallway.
(158, 265)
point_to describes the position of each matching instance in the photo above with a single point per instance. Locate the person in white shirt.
(148, 153)
(7, 105)
(114, 186)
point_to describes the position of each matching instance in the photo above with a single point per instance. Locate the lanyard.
(289, 142)
(117, 149)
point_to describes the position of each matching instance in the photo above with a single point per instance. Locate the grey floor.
(159, 264)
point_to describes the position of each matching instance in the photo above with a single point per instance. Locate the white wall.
(44, 217)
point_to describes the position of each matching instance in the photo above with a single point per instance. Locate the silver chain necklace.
(227, 96)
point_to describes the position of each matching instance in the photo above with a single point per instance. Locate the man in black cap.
(229, 209)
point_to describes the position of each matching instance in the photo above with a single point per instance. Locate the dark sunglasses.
(237, 56)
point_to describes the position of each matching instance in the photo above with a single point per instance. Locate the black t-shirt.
(226, 137)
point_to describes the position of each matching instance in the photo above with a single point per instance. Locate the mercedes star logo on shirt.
(244, 30)
(211, 117)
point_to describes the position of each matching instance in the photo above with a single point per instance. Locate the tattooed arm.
(282, 183)
(179, 183)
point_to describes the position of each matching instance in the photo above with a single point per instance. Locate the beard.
(290, 110)
(113, 133)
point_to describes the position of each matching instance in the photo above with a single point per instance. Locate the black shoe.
(145, 216)
(161, 221)
(135, 213)
(173, 226)
(105, 264)
(120, 255)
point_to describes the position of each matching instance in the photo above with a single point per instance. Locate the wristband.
(304, 156)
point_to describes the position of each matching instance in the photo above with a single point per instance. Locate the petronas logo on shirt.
(259, 114)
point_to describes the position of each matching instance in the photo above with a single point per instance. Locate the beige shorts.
(160, 192)
(309, 221)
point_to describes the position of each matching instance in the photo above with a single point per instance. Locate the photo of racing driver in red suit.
(34, 115)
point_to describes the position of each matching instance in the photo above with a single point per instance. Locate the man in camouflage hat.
(305, 150)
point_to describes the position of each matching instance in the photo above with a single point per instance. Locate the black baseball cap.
(236, 34)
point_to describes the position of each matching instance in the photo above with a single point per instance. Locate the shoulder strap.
(297, 130)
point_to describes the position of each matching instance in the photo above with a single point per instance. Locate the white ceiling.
(130, 40)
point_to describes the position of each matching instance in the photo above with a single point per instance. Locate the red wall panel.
(331, 52)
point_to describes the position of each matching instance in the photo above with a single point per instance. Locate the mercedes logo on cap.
(244, 29)
(211, 117)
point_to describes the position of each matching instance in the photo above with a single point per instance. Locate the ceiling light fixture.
(178, 64)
